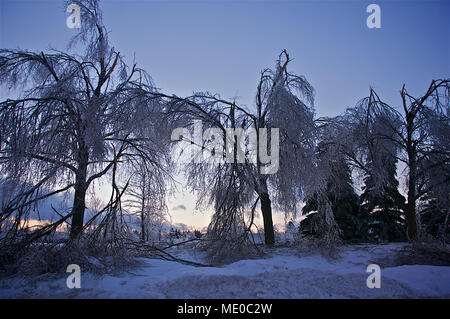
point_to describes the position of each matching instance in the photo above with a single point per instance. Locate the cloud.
(179, 207)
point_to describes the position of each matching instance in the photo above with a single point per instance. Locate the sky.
(222, 46)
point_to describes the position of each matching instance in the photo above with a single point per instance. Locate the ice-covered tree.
(286, 101)
(283, 102)
(416, 136)
(434, 212)
(146, 199)
(339, 192)
(383, 204)
(76, 118)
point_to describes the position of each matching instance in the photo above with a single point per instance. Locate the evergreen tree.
(343, 199)
(383, 203)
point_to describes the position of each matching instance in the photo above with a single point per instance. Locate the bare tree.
(284, 102)
(146, 198)
(417, 136)
(77, 118)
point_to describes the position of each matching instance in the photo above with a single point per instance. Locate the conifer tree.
(383, 203)
(342, 197)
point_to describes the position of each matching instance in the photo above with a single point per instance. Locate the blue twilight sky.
(222, 46)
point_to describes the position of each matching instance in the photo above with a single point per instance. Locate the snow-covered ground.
(284, 273)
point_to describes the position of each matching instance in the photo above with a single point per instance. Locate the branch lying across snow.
(153, 251)
(181, 243)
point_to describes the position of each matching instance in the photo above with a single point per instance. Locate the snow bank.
(283, 275)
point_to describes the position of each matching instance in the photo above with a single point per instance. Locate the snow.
(283, 273)
(432, 281)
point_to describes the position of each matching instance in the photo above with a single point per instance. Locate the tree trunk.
(79, 206)
(143, 201)
(266, 210)
(79, 201)
(411, 207)
(142, 224)
(412, 164)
